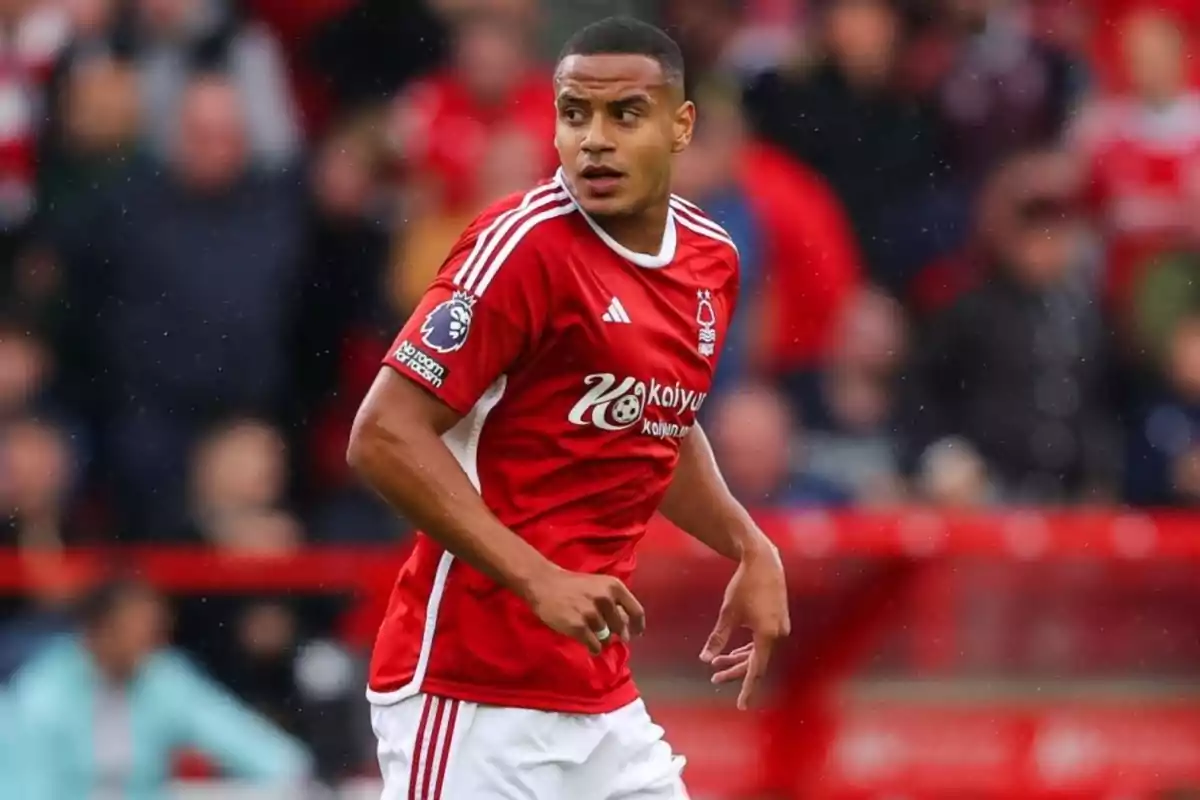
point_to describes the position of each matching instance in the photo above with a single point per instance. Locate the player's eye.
(573, 115)
(628, 116)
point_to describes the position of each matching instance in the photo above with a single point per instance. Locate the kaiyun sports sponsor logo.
(617, 404)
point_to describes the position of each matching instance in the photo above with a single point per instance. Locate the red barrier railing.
(803, 536)
(801, 741)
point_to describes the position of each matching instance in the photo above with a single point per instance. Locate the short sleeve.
(733, 286)
(479, 316)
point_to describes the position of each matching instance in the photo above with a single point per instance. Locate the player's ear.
(683, 124)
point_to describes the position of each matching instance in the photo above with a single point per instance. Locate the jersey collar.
(662, 258)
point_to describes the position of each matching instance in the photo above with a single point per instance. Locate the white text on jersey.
(614, 405)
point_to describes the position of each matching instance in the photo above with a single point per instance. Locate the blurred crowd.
(969, 233)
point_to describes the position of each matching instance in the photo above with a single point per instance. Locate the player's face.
(619, 124)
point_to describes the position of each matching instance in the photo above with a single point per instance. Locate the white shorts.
(433, 748)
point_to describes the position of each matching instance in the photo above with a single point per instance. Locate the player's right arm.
(458, 342)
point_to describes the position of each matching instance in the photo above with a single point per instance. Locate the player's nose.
(596, 138)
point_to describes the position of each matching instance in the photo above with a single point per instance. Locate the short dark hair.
(627, 36)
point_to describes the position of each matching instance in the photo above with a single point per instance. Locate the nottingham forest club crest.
(446, 327)
(706, 316)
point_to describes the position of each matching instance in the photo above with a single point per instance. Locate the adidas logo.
(616, 313)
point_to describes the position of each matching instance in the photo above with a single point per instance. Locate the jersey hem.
(613, 700)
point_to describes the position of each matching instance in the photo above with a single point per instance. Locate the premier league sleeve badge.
(446, 327)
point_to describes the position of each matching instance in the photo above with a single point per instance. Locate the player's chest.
(638, 345)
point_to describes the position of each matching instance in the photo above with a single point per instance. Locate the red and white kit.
(1144, 182)
(579, 366)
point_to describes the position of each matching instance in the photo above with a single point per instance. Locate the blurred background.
(963, 391)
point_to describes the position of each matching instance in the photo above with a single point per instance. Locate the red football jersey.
(447, 132)
(579, 366)
(1144, 182)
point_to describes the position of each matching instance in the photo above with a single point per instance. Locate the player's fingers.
(739, 652)
(760, 657)
(733, 673)
(624, 598)
(587, 635)
(719, 636)
(727, 660)
(754, 672)
(615, 620)
(593, 630)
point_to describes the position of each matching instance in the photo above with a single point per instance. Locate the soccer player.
(537, 409)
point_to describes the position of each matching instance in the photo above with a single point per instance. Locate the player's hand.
(756, 599)
(588, 608)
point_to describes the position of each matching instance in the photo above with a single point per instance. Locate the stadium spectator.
(708, 173)
(38, 477)
(260, 659)
(993, 221)
(1165, 293)
(32, 35)
(90, 20)
(878, 149)
(952, 475)
(512, 162)
(758, 442)
(361, 294)
(374, 48)
(143, 702)
(706, 31)
(42, 451)
(346, 312)
(8, 733)
(264, 649)
(735, 38)
(811, 264)
(1015, 366)
(352, 292)
(443, 123)
(342, 304)
(1163, 466)
(177, 40)
(201, 259)
(89, 141)
(1141, 150)
(26, 367)
(256, 645)
(99, 115)
(294, 26)
(47, 612)
(238, 481)
(849, 405)
(94, 30)
(997, 87)
(216, 323)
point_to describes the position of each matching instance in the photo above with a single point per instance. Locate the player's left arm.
(699, 502)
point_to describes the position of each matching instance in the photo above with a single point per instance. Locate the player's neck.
(642, 232)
